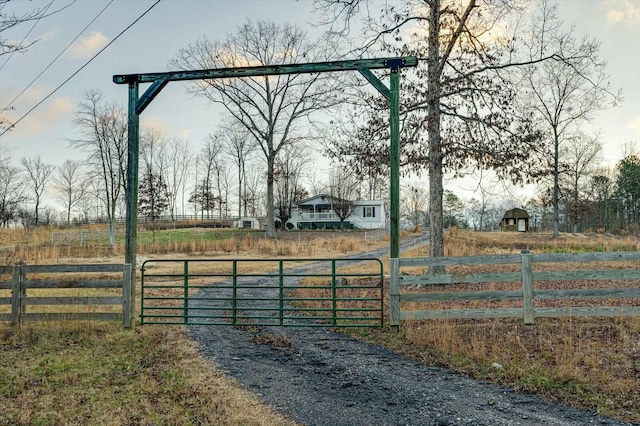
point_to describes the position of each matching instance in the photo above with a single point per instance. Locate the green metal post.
(394, 160)
(333, 292)
(132, 190)
(234, 291)
(185, 285)
(141, 292)
(281, 290)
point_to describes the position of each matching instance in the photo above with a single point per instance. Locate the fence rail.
(526, 276)
(20, 299)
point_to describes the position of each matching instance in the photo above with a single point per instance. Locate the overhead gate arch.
(137, 105)
(285, 292)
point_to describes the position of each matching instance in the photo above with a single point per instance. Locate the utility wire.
(79, 69)
(56, 58)
(27, 35)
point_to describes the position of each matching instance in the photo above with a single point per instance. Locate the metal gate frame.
(137, 104)
(174, 298)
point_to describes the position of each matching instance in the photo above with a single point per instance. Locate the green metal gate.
(292, 292)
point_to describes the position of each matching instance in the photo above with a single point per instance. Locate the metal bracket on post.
(395, 64)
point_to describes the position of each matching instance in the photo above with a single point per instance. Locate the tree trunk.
(271, 225)
(112, 231)
(436, 219)
(556, 184)
(69, 212)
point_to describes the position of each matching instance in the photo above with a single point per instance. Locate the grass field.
(96, 373)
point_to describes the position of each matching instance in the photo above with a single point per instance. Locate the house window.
(369, 212)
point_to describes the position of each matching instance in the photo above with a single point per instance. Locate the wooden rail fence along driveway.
(526, 276)
(21, 284)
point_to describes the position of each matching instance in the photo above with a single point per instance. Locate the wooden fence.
(527, 294)
(20, 284)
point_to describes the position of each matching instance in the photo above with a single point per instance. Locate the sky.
(173, 24)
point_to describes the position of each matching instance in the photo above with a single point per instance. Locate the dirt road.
(326, 378)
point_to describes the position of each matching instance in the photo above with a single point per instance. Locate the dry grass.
(38, 246)
(100, 374)
(55, 373)
(587, 362)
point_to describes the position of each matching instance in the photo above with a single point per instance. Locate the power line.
(56, 58)
(79, 69)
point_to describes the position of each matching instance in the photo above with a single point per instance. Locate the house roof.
(329, 198)
(516, 214)
(307, 200)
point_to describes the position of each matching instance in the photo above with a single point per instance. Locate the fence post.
(23, 293)
(281, 290)
(127, 306)
(527, 287)
(16, 303)
(394, 296)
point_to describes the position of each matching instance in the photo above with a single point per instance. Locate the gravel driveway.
(327, 378)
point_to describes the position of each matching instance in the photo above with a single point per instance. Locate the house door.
(522, 225)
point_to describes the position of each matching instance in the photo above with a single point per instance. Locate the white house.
(318, 213)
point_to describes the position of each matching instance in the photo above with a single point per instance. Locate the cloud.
(42, 119)
(85, 47)
(49, 35)
(625, 11)
(152, 122)
(185, 133)
(59, 108)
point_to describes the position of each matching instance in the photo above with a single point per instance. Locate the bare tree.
(39, 174)
(270, 108)
(71, 185)
(178, 168)
(9, 19)
(289, 170)
(580, 158)
(11, 190)
(154, 199)
(415, 204)
(315, 183)
(239, 145)
(211, 162)
(457, 104)
(153, 152)
(104, 126)
(344, 190)
(565, 92)
(485, 188)
(254, 193)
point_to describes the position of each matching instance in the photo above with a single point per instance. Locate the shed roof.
(516, 213)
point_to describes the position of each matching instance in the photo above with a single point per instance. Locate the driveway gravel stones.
(327, 378)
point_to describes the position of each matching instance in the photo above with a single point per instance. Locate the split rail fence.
(20, 299)
(526, 276)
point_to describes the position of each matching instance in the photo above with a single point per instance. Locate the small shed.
(247, 223)
(515, 220)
